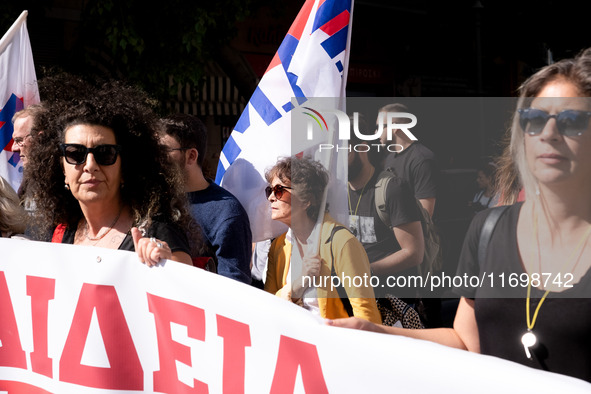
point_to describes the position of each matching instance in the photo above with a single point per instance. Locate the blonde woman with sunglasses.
(537, 310)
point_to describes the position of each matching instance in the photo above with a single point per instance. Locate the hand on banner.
(358, 324)
(150, 250)
(285, 292)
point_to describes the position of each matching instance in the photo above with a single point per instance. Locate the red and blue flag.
(312, 61)
(18, 89)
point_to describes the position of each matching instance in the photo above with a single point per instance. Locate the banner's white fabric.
(18, 90)
(90, 320)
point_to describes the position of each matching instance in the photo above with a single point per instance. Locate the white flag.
(312, 61)
(18, 90)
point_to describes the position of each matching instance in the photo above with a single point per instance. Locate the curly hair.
(152, 186)
(12, 215)
(308, 179)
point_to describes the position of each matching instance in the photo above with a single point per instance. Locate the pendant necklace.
(529, 339)
(361, 195)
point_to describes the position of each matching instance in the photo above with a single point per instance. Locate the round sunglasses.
(278, 190)
(104, 155)
(569, 123)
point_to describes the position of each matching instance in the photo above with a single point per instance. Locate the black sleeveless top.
(563, 325)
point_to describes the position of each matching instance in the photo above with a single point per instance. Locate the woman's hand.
(356, 323)
(311, 266)
(149, 250)
(310, 270)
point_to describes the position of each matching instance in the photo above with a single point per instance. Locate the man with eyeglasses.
(25, 127)
(22, 127)
(223, 219)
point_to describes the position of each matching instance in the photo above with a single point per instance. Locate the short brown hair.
(308, 179)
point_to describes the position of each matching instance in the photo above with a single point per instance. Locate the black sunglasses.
(278, 190)
(569, 123)
(104, 155)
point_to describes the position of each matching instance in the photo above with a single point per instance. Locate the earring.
(67, 187)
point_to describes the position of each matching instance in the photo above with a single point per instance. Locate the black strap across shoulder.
(340, 289)
(487, 229)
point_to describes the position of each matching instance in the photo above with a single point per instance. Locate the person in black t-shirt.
(415, 163)
(395, 248)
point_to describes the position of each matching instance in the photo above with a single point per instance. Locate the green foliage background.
(141, 41)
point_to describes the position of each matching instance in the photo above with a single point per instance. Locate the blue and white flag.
(18, 89)
(312, 61)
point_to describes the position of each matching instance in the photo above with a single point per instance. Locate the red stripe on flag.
(275, 62)
(298, 25)
(296, 29)
(336, 23)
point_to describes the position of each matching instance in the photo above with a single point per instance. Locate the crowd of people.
(101, 169)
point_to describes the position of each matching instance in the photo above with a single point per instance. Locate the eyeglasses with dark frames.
(569, 122)
(104, 155)
(277, 190)
(20, 141)
(173, 149)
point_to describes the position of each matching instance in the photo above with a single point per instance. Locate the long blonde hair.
(12, 214)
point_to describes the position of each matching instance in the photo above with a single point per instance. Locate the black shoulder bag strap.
(340, 289)
(487, 229)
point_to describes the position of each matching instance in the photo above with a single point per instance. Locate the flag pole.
(327, 158)
(12, 31)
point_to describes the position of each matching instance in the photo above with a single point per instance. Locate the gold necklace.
(529, 339)
(99, 237)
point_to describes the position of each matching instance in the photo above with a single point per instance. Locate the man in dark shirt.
(224, 221)
(395, 248)
(414, 163)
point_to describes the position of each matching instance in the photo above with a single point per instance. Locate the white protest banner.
(90, 320)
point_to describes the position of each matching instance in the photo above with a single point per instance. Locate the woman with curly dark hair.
(100, 177)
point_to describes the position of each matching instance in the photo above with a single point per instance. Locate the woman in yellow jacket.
(299, 270)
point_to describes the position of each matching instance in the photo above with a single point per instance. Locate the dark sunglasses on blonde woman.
(569, 123)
